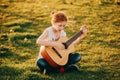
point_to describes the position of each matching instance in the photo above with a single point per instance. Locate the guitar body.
(56, 57)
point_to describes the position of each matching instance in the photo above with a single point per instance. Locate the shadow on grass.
(8, 73)
(113, 43)
(21, 16)
(24, 40)
(34, 76)
(13, 56)
(26, 24)
(86, 75)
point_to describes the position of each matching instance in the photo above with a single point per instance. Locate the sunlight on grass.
(23, 21)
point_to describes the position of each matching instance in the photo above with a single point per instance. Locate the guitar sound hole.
(56, 52)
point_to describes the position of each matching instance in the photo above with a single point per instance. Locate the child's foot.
(72, 67)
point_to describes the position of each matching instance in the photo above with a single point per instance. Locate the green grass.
(21, 23)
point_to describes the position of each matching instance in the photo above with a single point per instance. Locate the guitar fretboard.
(67, 43)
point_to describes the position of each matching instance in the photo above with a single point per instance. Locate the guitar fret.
(73, 38)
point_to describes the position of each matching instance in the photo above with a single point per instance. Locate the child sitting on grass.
(50, 36)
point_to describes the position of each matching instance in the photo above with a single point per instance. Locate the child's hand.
(84, 29)
(59, 45)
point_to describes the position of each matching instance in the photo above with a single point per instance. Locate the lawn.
(23, 21)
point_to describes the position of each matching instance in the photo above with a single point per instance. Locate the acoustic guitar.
(57, 57)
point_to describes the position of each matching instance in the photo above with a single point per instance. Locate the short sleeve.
(63, 33)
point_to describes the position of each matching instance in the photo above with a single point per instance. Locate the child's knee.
(41, 63)
(78, 56)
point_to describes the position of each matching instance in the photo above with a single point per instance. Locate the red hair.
(58, 17)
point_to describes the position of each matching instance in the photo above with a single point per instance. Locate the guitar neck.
(67, 43)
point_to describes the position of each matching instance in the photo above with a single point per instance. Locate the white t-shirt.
(51, 36)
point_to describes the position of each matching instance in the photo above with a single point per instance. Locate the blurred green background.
(23, 21)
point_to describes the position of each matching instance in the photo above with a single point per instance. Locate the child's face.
(59, 25)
